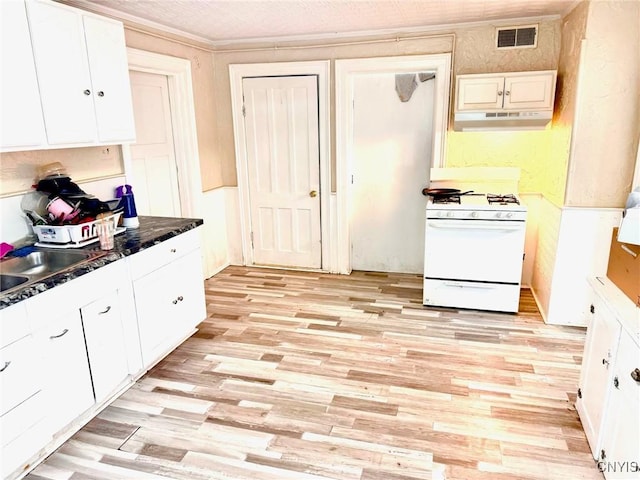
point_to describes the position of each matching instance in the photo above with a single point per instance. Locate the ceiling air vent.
(517, 37)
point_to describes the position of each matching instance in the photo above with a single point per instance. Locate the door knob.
(313, 193)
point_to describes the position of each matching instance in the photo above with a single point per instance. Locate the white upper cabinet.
(21, 124)
(82, 75)
(506, 91)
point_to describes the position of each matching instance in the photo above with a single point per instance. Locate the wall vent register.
(517, 37)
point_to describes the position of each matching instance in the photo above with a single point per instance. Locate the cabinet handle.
(87, 92)
(105, 311)
(5, 366)
(507, 92)
(179, 299)
(616, 382)
(101, 93)
(173, 250)
(64, 332)
(635, 374)
(605, 362)
(592, 309)
(499, 93)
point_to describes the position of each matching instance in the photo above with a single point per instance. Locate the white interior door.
(392, 145)
(153, 159)
(281, 125)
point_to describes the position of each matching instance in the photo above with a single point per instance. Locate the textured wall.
(606, 123)
(19, 169)
(475, 52)
(222, 60)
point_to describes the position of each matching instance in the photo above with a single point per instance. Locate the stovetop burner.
(502, 199)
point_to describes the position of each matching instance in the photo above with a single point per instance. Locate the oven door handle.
(482, 286)
(476, 225)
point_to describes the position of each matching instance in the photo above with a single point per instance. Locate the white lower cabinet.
(597, 370)
(67, 387)
(609, 393)
(22, 405)
(66, 352)
(619, 453)
(104, 338)
(169, 304)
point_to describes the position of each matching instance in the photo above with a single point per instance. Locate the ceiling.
(226, 21)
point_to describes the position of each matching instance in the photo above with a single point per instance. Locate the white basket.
(74, 234)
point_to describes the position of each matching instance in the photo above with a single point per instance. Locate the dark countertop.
(152, 231)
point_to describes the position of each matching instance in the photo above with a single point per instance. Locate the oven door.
(474, 250)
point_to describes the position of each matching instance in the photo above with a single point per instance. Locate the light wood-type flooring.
(301, 376)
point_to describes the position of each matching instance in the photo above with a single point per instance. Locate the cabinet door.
(596, 372)
(19, 376)
(170, 303)
(480, 93)
(104, 337)
(619, 455)
(110, 79)
(57, 36)
(21, 124)
(525, 92)
(68, 387)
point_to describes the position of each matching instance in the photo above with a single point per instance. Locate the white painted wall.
(392, 144)
(214, 235)
(573, 245)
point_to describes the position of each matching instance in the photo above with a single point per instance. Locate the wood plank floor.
(302, 376)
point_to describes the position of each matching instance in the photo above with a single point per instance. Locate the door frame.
(345, 72)
(236, 73)
(183, 121)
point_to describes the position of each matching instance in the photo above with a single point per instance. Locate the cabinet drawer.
(28, 413)
(19, 376)
(155, 257)
(24, 433)
(13, 324)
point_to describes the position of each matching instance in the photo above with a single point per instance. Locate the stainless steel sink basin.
(39, 264)
(7, 282)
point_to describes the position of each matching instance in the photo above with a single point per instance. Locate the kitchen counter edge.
(152, 231)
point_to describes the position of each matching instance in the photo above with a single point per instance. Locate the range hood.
(512, 120)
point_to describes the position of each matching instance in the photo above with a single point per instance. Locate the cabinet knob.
(499, 93)
(635, 374)
(87, 92)
(5, 366)
(507, 92)
(592, 309)
(616, 382)
(173, 250)
(605, 362)
(101, 93)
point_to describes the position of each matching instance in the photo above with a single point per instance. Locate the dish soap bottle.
(129, 215)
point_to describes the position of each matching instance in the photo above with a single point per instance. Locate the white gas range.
(474, 251)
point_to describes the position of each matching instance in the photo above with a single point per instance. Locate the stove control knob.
(449, 214)
(509, 215)
(474, 214)
(498, 215)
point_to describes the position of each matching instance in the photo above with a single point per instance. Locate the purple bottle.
(129, 215)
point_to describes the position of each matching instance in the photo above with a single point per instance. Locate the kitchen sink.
(7, 282)
(39, 264)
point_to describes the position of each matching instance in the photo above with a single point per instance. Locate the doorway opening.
(180, 90)
(351, 80)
